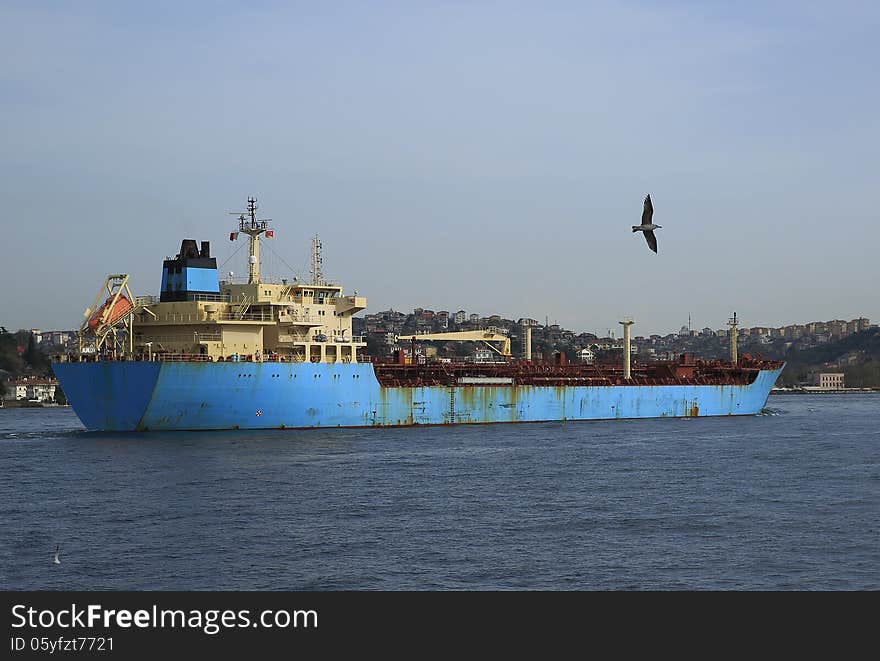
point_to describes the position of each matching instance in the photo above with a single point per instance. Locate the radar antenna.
(249, 224)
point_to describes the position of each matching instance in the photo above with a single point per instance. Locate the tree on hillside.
(571, 353)
(376, 347)
(34, 357)
(9, 358)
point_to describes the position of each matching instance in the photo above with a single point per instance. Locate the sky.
(485, 156)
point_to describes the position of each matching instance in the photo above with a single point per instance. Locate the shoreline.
(30, 405)
(845, 391)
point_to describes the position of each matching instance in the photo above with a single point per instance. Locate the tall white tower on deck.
(733, 323)
(626, 323)
(527, 341)
(250, 225)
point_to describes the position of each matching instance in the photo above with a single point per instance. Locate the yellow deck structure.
(487, 337)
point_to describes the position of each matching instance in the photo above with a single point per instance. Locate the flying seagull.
(57, 560)
(647, 227)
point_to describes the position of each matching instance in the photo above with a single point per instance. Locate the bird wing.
(651, 239)
(648, 212)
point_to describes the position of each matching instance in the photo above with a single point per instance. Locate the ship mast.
(627, 370)
(253, 227)
(317, 261)
(733, 323)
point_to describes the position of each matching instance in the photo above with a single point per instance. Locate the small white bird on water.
(647, 227)
(57, 560)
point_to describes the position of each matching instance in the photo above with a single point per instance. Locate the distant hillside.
(20, 355)
(857, 356)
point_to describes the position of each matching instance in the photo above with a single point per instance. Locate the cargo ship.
(212, 353)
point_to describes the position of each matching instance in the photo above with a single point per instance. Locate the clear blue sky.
(489, 156)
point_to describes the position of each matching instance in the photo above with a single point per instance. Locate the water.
(787, 500)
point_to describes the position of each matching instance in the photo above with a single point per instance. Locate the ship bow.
(108, 396)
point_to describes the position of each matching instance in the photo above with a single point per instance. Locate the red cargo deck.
(527, 373)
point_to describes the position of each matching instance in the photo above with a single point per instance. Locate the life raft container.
(122, 307)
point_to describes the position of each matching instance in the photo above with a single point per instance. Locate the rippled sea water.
(787, 500)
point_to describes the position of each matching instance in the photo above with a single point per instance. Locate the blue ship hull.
(140, 396)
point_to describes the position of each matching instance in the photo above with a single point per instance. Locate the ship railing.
(210, 298)
(195, 337)
(180, 317)
(182, 358)
(214, 298)
(268, 280)
(290, 339)
(309, 300)
(348, 339)
(141, 356)
(295, 317)
(249, 316)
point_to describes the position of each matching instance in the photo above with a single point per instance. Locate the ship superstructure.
(197, 315)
